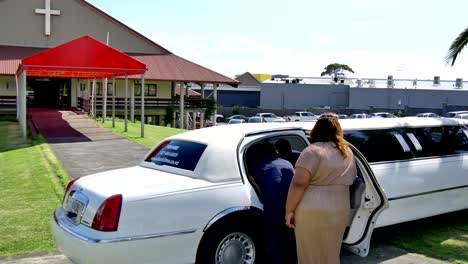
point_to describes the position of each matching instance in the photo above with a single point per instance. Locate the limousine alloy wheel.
(236, 248)
(231, 242)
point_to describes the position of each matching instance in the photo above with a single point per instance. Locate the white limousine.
(190, 200)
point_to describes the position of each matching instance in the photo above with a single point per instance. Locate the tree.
(169, 117)
(235, 110)
(457, 46)
(210, 107)
(336, 70)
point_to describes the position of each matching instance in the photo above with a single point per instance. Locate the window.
(430, 140)
(281, 145)
(179, 154)
(379, 145)
(438, 141)
(455, 140)
(109, 88)
(150, 90)
(99, 89)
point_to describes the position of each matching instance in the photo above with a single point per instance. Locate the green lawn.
(444, 237)
(153, 134)
(32, 182)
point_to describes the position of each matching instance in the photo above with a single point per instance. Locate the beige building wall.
(21, 26)
(163, 88)
(7, 86)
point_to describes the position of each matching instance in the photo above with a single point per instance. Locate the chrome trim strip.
(226, 212)
(425, 193)
(119, 239)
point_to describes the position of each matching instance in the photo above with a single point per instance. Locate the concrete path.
(81, 145)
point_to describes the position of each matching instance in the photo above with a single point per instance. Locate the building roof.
(10, 58)
(122, 25)
(170, 67)
(84, 57)
(247, 79)
(165, 67)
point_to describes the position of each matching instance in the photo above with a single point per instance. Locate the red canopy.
(84, 58)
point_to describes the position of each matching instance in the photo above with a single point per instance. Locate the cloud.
(323, 40)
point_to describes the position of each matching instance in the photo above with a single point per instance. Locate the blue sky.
(403, 38)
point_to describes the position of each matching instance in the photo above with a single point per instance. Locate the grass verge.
(32, 183)
(443, 237)
(153, 134)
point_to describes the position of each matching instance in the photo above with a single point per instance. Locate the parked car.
(301, 116)
(382, 114)
(270, 117)
(342, 116)
(219, 119)
(242, 117)
(434, 115)
(236, 121)
(190, 199)
(358, 116)
(454, 113)
(256, 119)
(461, 116)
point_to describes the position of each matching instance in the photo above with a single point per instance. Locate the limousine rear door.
(372, 202)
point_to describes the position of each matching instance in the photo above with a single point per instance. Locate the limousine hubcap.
(236, 248)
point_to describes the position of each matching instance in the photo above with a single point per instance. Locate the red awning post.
(132, 103)
(113, 102)
(22, 105)
(17, 97)
(126, 106)
(142, 114)
(104, 99)
(93, 99)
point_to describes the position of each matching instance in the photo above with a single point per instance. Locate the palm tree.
(457, 46)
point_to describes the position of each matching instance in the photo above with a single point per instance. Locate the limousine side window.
(379, 145)
(437, 141)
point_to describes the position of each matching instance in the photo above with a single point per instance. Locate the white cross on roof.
(47, 12)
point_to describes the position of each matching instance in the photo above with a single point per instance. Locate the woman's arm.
(299, 183)
(306, 167)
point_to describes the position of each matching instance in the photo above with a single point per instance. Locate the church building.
(31, 27)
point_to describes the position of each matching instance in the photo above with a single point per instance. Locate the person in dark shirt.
(273, 176)
(284, 149)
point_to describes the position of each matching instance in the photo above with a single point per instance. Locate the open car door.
(367, 202)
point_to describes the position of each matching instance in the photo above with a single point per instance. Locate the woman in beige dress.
(318, 204)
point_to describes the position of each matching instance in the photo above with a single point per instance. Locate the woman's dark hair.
(328, 129)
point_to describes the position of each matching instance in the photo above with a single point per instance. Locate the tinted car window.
(179, 154)
(439, 141)
(378, 145)
(455, 139)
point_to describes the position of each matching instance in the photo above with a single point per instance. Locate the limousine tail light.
(69, 185)
(108, 214)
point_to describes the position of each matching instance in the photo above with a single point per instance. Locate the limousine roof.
(230, 135)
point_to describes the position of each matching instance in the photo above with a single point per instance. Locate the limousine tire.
(231, 243)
